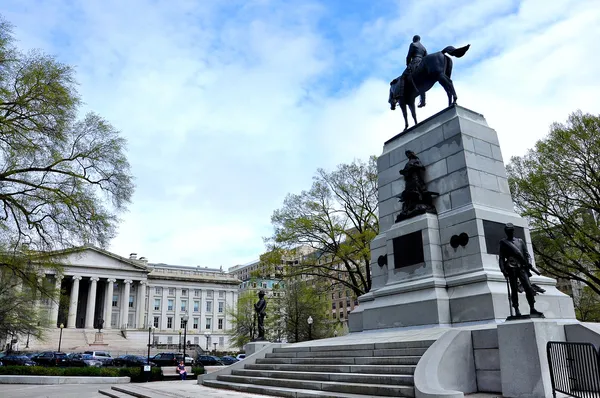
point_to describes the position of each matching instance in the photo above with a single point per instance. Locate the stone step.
(396, 352)
(364, 346)
(114, 394)
(278, 391)
(330, 386)
(376, 369)
(363, 378)
(406, 360)
(135, 391)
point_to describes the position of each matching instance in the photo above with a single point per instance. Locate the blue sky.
(228, 106)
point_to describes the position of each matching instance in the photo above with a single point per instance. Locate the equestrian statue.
(422, 71)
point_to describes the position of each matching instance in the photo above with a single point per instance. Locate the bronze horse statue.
(436, 67)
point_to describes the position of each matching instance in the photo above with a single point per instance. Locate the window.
(209, 294)
(264, 285)
(220, 324)
(171, 291)
(197, 340)
(157, 290)
(221, 294)
(183, 305)
(195, 323)
(333, 296)
(339, 294)
(196, 306)
(221, 341)
(333, 306)
(115, 302)
(170, 305)
(221, 307)
(170, 340)
(208, 323)
(156, 304)
(347, 293)
(184, 292)
(130, 301)
(209, 306)
(254, 285)
(347, 302)
(181, 323)
(196, 293)
(156, 321)
(170, 322)
(341, 315)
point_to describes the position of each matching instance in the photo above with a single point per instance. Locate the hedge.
(135, 374)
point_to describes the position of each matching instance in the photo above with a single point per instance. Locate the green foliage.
(198, 370)
(63, 179)
(587, 305)
(242, 319)
(301, 301)
(556, 186)
(336, 219)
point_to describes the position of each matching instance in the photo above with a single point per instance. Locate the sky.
(228, 106)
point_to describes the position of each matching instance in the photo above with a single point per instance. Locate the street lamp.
(179, 349)
(207, 335)
(150, 330)
(310, 322)
(215, 344)
(185, 321)
(62, 325)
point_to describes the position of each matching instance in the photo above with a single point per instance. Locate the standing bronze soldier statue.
(515, 264)
(260, 308)
(416, 52)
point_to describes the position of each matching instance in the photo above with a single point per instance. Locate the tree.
(556, 186)
(336, 219)
(63, 180)
(243, 323)
(301, 301)
(587, 305)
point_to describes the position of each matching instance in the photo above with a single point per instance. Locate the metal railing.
(574, 369)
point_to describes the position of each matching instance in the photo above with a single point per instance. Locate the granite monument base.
(254, 346)
(523, 360)
(443, 269)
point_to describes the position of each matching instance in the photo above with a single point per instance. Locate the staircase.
(376, 369)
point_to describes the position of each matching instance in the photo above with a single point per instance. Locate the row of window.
(333, 305)
(196, 340)
(184, 292)
(195, 323)
(340, 294)
(170, 305)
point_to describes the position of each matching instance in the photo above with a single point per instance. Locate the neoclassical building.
(100, 287)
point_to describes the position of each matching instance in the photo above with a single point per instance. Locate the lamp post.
(150, 330)
(62, 325)
(310, 322)
(179, 349)
(207, 335)
(215, 344)
(185, 321)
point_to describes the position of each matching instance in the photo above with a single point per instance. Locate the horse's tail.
(456, 52)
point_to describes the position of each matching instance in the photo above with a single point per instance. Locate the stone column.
(90, 313)
(125, 303)
(108, 303)
(141, 300)
(73, 304)
(55, 302)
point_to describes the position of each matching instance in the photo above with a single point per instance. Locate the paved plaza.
(187, 388)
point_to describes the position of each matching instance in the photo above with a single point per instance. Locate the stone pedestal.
(523, 359)
(254, 346)
(98, 340)
(425, 279)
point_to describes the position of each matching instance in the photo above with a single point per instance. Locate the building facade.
(102, 289)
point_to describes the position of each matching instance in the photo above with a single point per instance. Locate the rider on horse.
(416, 52)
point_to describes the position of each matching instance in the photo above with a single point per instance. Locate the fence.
(574, 369)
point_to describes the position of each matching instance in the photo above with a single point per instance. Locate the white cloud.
(228, 107)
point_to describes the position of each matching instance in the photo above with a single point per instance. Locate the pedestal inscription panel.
(408, 250)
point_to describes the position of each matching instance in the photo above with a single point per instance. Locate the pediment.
(92, 257)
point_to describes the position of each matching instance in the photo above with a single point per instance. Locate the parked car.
(240, 357)
(170, 359)
(131, 360)
(82, 360)
(51, 358)
(227, 360)
(101, 356)
(19, 360)
(209, 360)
